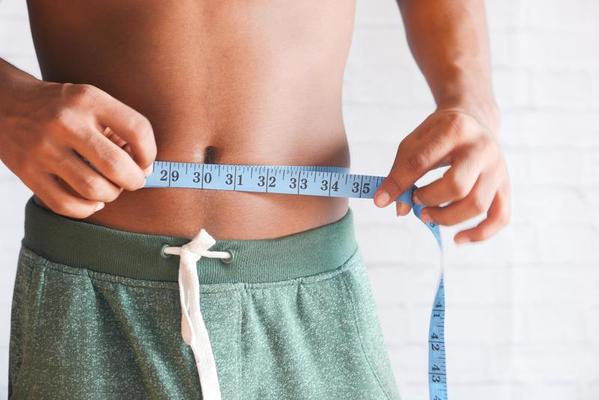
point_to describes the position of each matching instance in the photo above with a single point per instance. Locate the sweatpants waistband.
(136, 255)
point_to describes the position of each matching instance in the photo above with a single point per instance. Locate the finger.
(475, 203)
(109, 159)
(414, 159)
(116, 139)
(59, 200)
(402, 208)
(84, 180)
(147, 170)
(497, 217)
(455, 184)
(128, 125)
(109, 133)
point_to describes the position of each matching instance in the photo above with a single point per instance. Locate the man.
(289, 311)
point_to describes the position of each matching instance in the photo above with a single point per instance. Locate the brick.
(543, 50)
(512, 88)
(476, 364)
(513, 245)
(410, 363)
(595, 90)
(377, 84)
(377, 13)
(548, 391)
(505, 15)
(568, 244)
(15, 37)
(590, 390)
(482, 390)
(550, 15)
(547, 323)
(380, 125)
(559, 363)
(542, 129)
(380, 46)
(549, 89)
(480, 285)
(551, 286)
(504, 50)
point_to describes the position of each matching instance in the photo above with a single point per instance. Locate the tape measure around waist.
(312, 181)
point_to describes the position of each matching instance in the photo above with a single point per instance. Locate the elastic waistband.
(135, 255)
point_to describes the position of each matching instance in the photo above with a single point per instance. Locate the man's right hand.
(50, 130)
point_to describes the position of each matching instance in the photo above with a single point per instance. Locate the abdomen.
(257, 82)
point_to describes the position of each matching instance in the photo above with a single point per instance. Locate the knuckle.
(479, 235)
(116, 168)
(60, 116)
(92, 185)
(40, 147)
(488, 144)
(143, 125)
(142, 130)
(139, 125)
(112, 196)
(456, 122)
(478, 204)
(456, 187)
(133, 183)
(82, 91)
(22, 165)
(503, 218)
(57, 206)
(111, 160)
(61, 123)
(79, 94)
(70, 209)
(416, 161)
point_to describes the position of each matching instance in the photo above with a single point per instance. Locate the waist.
(227, 215)
(232, 215)
(139, 256)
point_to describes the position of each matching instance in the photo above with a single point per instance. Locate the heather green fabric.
(80, 332)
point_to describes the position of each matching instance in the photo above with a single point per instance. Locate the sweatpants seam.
(25, 302)
(240, 368)
(361, 338)
(34, 324)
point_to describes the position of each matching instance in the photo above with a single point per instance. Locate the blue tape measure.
(311, 181)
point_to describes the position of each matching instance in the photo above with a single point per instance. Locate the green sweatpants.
(96, 315)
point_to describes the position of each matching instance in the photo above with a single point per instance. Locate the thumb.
(406, 170)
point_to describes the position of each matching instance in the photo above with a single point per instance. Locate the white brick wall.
(523, 307)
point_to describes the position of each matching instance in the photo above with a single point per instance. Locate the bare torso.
(252, 82)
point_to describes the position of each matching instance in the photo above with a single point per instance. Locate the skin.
(125, 83)
(463, 131)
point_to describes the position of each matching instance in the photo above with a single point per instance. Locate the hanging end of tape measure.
(406, 197)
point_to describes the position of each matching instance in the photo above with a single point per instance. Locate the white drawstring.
(193, 328)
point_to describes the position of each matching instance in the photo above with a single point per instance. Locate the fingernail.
(417, 200)
(382, 198)
(461, 239)
(401, 209)
(426, 218)
(148, 170)
(99, 206)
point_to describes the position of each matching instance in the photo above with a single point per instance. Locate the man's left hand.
(476, 182)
